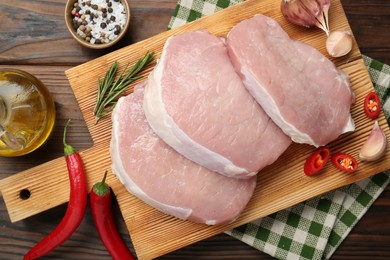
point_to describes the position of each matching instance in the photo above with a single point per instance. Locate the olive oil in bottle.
(27, 113)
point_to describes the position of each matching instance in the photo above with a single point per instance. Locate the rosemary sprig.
(110, 88)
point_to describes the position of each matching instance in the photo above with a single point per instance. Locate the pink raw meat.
(196, 102)
(298, 87)
(161, 177)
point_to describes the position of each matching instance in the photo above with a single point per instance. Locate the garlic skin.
(307, 13)
(375, 145)
(339, 43)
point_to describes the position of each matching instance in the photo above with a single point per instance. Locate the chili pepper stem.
(104, 178)
(101, 188)
(67, 148)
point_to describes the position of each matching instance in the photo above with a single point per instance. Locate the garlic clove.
(375, 145)
(307, 12)
(339, 43)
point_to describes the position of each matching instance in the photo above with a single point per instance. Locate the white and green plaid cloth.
(315, 228)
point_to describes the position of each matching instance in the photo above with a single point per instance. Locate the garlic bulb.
(307, 12)
(339, 43)
(375, 145)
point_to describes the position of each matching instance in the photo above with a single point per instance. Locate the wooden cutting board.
(279, 186)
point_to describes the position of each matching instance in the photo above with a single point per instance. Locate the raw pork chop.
(198, 105)
(300, 89)
(161, 177)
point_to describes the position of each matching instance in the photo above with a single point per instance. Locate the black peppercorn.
(103, 25)
(95, 7)
(110, 10)
(113, 18)
(117, 30)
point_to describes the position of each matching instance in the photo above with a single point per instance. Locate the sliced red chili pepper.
(76, 207)
(316, 161)
(344, 162)
(372, 105)
(101, 208)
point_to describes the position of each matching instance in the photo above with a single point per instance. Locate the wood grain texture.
(371, 235)
(35, 33)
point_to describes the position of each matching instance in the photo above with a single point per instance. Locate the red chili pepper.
(316, 161)
(76, 206)
(344, 162)
(372, 105)
(101, 208)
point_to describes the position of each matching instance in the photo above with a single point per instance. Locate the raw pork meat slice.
(161, 177)
(299, 88)
(196, 102)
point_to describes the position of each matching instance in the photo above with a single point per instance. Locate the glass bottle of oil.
(27, 113)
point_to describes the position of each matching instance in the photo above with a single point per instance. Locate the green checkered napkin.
(315, 228)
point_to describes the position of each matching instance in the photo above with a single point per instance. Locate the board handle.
(46, 186)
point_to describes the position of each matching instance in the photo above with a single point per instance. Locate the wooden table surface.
(34, 38)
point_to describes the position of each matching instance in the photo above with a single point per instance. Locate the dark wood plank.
(33, 37)
(35, 33)
(370, 23)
